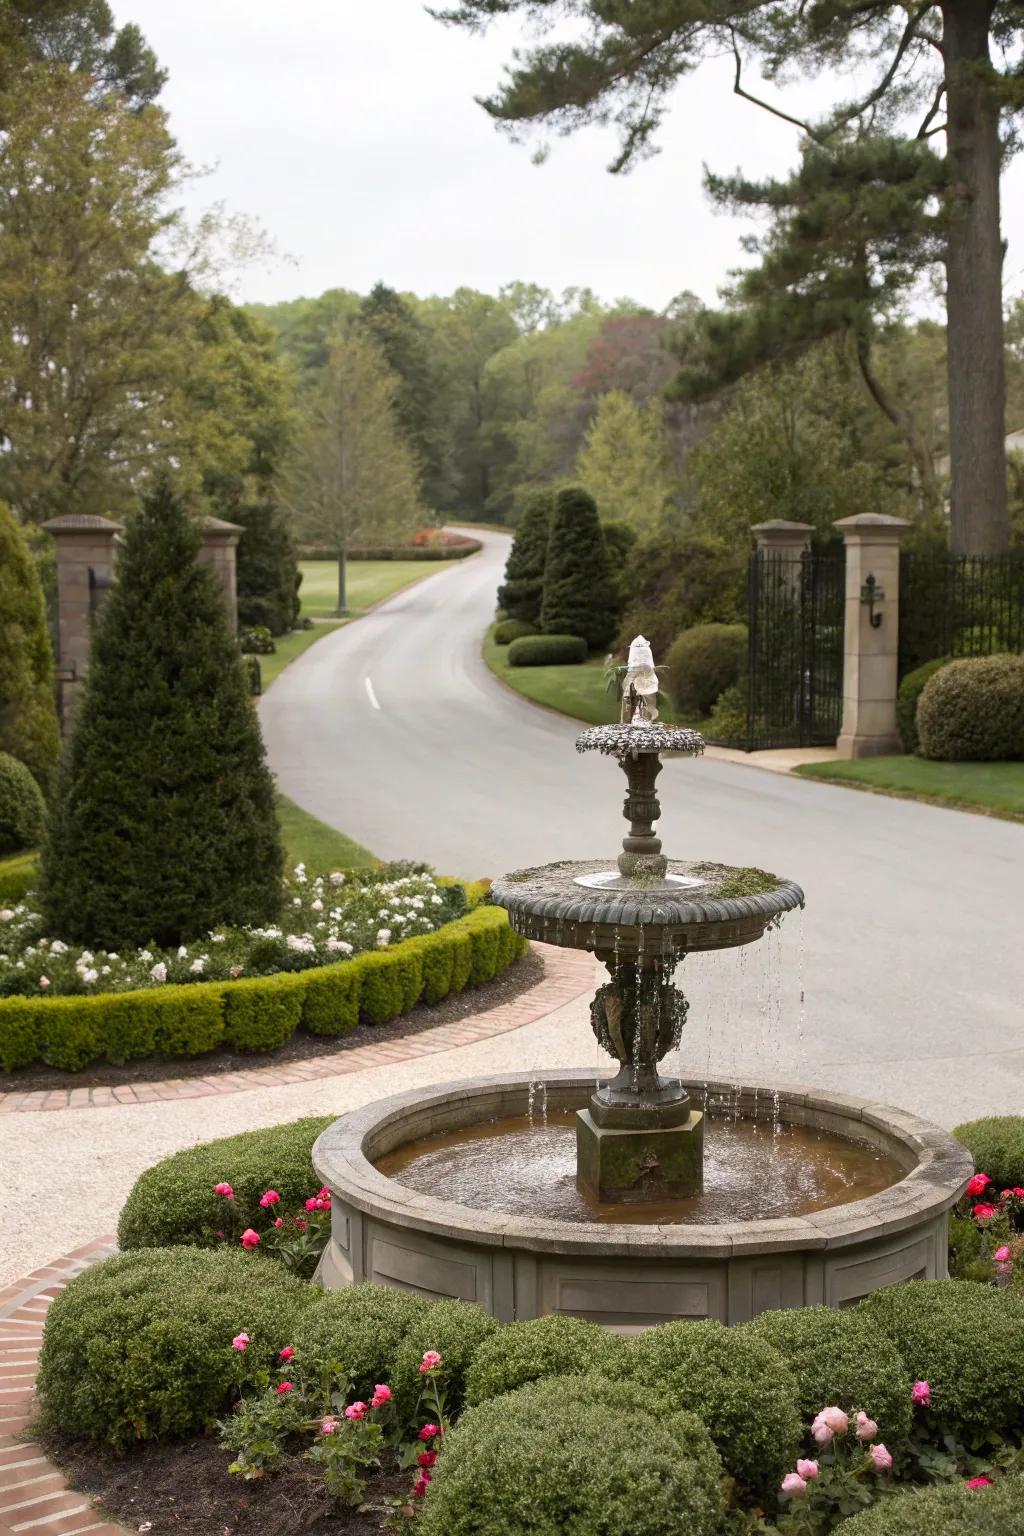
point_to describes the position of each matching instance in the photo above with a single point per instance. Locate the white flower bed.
(324, 919)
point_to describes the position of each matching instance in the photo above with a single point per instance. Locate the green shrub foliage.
(997, 1145)
(174, 1203)
(973, 711)
(360, 1329)
(256, 641)
(546, 1346)
(729, 722)
(966, 1341)
(841, 1357)
(676, 580)
(512, 629)
(22, 810)
(523, 588)
(28, 715)
(907, 697)
(139, 1347)
(943, 1510)
(736, 1383)
(703, 663)
(268, 569)
(456, 1330)
(17, 877)
(165, 825)
(580, 593)
(547, 651)
(577, 1454)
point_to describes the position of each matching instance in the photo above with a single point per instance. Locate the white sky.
(348, 130)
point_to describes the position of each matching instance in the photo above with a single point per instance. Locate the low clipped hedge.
(360, 1329)
(973, 711)
(441, 551)
(943, 1510)
(575, 1454)
(547, 651)
(736, 1383)
(997, 1145)
(512, 629)
(844, 1358)
(22, 808)
(965, 1340)
(907, 698)
(546, 1346)
(263, 1013)
(139, 1347)
(703, 662)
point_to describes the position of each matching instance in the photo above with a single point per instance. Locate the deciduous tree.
(624, 461)
(28, 717)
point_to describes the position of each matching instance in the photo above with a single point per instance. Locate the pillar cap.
(82, 522)
(217, 525)
(878, 525)
(782, 525)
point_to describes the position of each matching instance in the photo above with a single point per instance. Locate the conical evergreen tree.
(579, 590)
(268, 571)
(28, 715)
(164, 825)
(523, 588)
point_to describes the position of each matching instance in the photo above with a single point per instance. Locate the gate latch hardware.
(870, 594)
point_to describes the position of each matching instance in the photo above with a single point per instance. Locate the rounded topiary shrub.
(730, 718)
(943, 1510)
(22, 810)
(907, 698)
(360, 1329)
(966, 1341)
(997, 1145)
(175, 1202)
(140, 1347)
(512, 629)
(547, 651)
(703, 663)
(736, 1383)
(546, 1346)
(973, 711)
(576, 1454)
(456, 1330)
(842, 1357)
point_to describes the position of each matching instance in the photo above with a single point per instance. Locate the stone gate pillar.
(781, 537)
(871, 636)
(219, 551)
(86, 555)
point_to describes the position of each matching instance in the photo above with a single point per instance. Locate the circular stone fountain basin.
(676, 1264)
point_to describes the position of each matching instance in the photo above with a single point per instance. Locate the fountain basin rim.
(938, 1168)
(566, 901)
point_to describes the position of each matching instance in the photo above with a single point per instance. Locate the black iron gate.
(795, 614)
(959, 605)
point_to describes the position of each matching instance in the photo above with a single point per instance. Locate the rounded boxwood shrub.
(703, 663)
(907, 697)
(139, 1348)
(22, 809)
(736, 1383)
(547, 651)
(966, 1341)
(996, 1143)
(456, 1329)
(973, 711)
(843, 1358)
(512, 629)
(174, 1201)
(575, 1454)
(943, 1510)
(359, 1328)
(546, 1346)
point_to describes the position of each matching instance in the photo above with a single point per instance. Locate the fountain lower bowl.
(630, 1275)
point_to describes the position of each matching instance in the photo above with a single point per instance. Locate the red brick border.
(568, 973)
(34, 1500)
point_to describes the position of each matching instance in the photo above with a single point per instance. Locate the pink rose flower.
(381, 1394)
(286, 1353)
(829, 1423)
(808, 1470)
(821, 1434)
(979, 1482)
(427, 1458)
(356, 1411)
(284, 1387)
(421, 1485)
(270, 1198)
(240, 1342)
(302, 1225)
(977, 1185)
(431, 1359)
(1002, 1255)
(279, 1221)
(225, 1190)
(983, 1211)
(866, 1429)
(311, 1204)
(44, 982)
(794, 1485)
(880, 1458)
(1018, 1191)
(250, 1239)
(922, 1393)
(329, 1426)
(235, 971)
(429, 1431)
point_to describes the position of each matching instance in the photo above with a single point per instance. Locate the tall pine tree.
(580, 595)
(523, 588)
(164, 825)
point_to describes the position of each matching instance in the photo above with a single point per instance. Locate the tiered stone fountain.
(642, 1198)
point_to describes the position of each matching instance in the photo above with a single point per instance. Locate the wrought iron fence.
(959, 605)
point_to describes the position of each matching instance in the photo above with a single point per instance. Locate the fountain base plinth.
(639, 1165)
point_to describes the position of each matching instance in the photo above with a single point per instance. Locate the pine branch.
(738, 90)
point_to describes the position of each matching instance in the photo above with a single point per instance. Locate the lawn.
(312, 842)
(996, 788)
(367, 582)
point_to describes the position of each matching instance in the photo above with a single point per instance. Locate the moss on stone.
(728, 881)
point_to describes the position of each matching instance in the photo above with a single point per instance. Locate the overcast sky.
(348, 130)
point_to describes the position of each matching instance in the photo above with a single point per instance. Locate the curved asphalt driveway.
(910, 954)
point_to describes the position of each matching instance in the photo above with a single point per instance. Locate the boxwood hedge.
(546, 1346)
(997, 1145)
(359, 1329)
(547, 651)
(259, 1014)
(944, 1510)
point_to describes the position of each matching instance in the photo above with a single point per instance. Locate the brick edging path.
(568, 973)
(34, 1499)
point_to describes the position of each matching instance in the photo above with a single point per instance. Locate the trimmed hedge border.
(391, 552)
(260, 1014)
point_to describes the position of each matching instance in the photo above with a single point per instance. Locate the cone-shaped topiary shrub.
(28, 715)
(22, 811)
(164, 824)
(579, 590)
(268, 571)
(521, 592)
